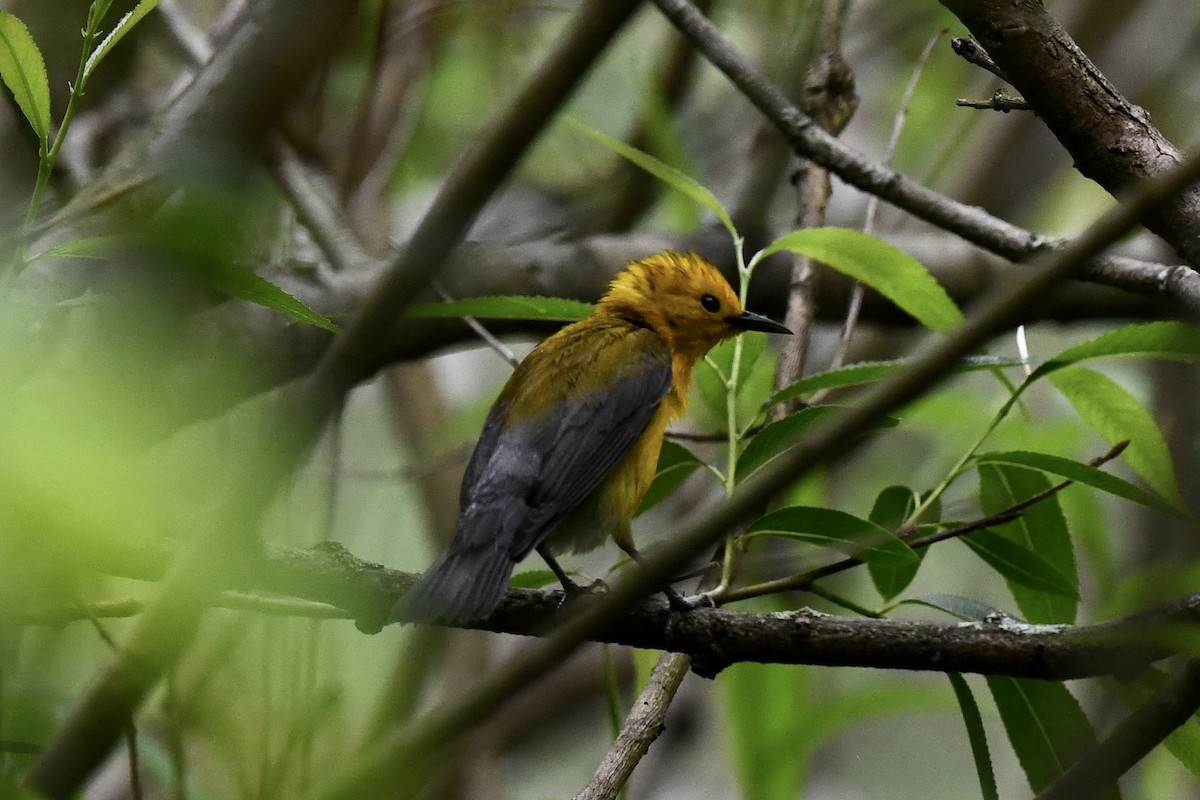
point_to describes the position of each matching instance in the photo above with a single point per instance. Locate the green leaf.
(1080, 473)
(1117, 415)
(1019, 565)
(1176, 341)
(532, 579)
(846, 533)
(776, 438)
(888, 270)
(1045, 725)
(871, 371)
(891, 509)
(772, 745)
(24, 73)
(965, 608)
(975, 735)
(88, 247)
(677, 180)
(548, 309)
(675, 463)
(123, 26)
(243, 282)
(1043, 541)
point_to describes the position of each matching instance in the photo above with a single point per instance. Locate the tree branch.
(969, 222)
(1111, 141)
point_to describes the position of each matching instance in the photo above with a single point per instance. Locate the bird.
(572, 442)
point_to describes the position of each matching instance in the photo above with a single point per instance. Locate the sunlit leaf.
(1020, 565)
(123, 26)
(777, 437)
(1176, 341)
(888, 270)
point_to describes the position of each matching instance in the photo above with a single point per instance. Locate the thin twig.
(889, 153)
(971, 51)
(805, 580)
(483, 333)
(643, 725)
(1000, 101)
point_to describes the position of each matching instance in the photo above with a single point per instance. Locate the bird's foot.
(680, 604)
(595, 587)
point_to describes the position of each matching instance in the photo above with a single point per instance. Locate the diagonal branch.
(969, 222)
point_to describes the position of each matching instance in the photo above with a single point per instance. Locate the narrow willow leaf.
(547, 309)
(1080, 473)
(1019, 565)
(674, 178)
(675, 463)
(888, 270)
(243, 282)
(24, 73)
(123, 26)
(1041, 533)
(975, 735)
(88, 247)
(965, 608)
(1176, 341)
(846, 533)
(776, 438)
(871, 371)
(1045, 725)
(1117, 415)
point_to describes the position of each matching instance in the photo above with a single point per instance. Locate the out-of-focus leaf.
(770, 738)
(677, 180)
(888, 270)
(533, 579)
(546, 309)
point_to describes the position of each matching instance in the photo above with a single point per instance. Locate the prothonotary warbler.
(571, 444)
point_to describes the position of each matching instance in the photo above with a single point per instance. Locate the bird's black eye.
(710, 303)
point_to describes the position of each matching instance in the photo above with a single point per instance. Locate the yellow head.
(684, 299)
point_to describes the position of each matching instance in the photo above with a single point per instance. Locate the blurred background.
(129, 386)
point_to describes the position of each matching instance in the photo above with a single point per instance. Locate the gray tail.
(458, 587)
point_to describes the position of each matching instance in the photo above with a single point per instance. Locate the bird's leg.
(569, 586)
(677, 601)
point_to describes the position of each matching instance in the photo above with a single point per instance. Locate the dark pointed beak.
(749, 321)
